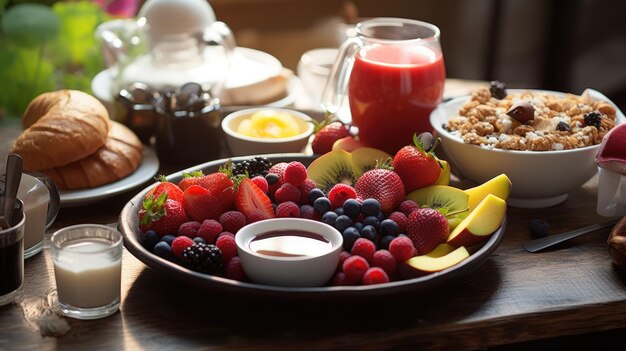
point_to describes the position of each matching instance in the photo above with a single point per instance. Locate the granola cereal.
(559, 123)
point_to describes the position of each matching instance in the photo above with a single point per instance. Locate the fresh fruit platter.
(404, 227)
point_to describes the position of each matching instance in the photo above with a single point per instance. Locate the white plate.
(147, 169)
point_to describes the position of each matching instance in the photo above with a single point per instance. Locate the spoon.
(543, 243)
(12, 183)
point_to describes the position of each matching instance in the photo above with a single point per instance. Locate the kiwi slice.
(450, 201)
(332, 168)
(366, 158)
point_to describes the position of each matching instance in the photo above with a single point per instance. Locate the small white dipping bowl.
(539, 178)
(240, 144)
(293, 271)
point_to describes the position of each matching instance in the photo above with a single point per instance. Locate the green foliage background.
(44, 46)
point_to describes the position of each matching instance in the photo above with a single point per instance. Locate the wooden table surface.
(515, 296)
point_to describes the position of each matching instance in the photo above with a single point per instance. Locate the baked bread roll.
(62, 127)
(119, 157)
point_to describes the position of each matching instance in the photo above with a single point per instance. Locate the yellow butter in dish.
(269, 124)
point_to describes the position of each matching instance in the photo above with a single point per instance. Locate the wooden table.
(514, 297)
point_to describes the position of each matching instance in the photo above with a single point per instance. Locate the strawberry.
(416, 166)
(200, 204)
(220, 185)
(161, 214)
(164, 186)
(326, 136)
(427, 228)
(190, 179)
(279, 170)
(383, 185)
(252, 201)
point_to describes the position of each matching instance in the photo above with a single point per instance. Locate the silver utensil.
(12, 183)
(536, 245)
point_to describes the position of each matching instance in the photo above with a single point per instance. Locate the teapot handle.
(218, 32)
(337, 83)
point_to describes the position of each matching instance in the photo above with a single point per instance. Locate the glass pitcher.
(172, 42)
(393, 74)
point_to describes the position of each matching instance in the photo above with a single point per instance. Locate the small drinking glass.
(12, 254)
(87, 268)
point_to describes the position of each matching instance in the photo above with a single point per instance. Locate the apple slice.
(612, 152)
(499, 186)
(442, 257)
(348, 143)
(483, 221)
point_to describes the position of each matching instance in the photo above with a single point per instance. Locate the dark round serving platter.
(129, 227)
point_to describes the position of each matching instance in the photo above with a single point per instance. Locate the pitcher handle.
(220, 33)
(55, 200)
(337, 83)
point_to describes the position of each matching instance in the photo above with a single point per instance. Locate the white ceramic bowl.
(244, 145)
(293, 271)
(539, 178)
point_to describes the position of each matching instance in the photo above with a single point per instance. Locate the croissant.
(119, 157)
(61, 127)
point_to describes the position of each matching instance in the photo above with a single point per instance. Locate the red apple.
(612, 152)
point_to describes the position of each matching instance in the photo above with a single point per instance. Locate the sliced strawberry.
(252, 201)
(200, 204)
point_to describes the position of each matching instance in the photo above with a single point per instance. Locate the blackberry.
(255, 166)
(539, 228)
(497, 89)
(204, 258)
(593, 118)
(563, 127)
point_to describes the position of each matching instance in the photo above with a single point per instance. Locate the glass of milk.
(87, 268)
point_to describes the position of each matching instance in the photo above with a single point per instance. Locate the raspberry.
(408, 206)
(385, 260)
(401, 248)
(255, 216)
(375, 275)
(234, 270)
(225, 233)
(188, 229)
(287, 209)
(287, 192)
(343, 255)
(305, 189)
(308, 212)
(400, 219)
(180, 244)
(354, 268)
(227, 245)
(232, 221)
(279, 170)
(209, 230)
(295, 173)
(339, 193)
(364, 248)
(261, 182)
(340, 279)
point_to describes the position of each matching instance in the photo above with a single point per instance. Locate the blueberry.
(373, 221)
(339, 211)
(358, 226)
(539, 228)
(329, 218)
(385, 241)
(352, 208)
(321, 205)
(150, 238)
(368, 232)
(199, 240)
(314, 194)
(350, 234)
(272, 178)
(389, 227)
(168, 239)
(343, 222)
(370, 207)
(163, 249)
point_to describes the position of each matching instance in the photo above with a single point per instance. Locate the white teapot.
(172, 42)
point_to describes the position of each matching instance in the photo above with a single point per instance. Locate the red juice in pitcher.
(392, 91)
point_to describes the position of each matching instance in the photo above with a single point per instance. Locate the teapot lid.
(177, 16)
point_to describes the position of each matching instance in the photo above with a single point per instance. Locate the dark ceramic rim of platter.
(128, 226)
